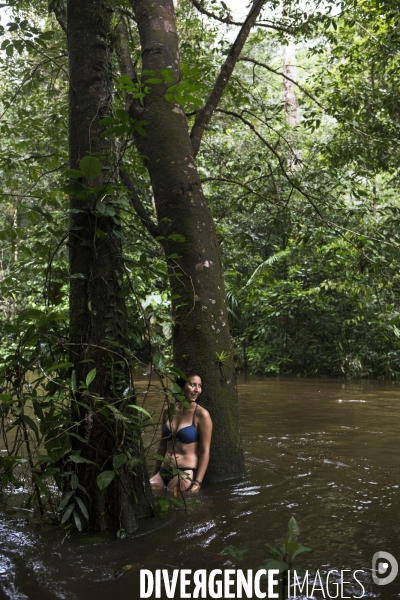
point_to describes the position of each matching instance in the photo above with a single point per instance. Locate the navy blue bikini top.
(186, 435)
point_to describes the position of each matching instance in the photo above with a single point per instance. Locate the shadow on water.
(324, 451)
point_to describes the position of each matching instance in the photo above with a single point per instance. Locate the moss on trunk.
(201, 330)
(97, 312)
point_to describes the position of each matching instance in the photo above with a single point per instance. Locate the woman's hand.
(196, 485)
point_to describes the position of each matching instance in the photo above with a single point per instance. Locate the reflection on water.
(324, 451)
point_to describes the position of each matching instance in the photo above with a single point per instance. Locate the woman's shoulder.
(166, 413)
(202, 412)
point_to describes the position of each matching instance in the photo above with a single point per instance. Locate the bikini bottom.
(166, 474)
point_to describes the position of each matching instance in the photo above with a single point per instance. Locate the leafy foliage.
(307, 218)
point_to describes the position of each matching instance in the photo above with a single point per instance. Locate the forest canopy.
(306, 213)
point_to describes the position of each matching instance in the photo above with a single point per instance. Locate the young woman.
(185, 442)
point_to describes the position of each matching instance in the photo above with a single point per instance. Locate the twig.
(264, 66)
(203, 116)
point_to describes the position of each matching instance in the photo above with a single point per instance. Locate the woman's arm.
(204, 428)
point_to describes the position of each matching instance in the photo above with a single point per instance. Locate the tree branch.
(128, 68)
(295, 185)
(228, 19)
(138, 206)
(126, 65)
(259, 64)
(204, 115)
(240, 184)
(59, 14)
(311, 199)
(124, 11)
(123, 50)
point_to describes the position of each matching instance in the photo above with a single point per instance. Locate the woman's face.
(193, 389)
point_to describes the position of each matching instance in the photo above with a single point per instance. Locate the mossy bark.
(97, 312)
(201, 331)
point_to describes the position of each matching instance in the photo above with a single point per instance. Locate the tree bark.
(201, 331)
(97, 312)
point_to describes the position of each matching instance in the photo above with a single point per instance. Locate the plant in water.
(284, 557)
(237, 552)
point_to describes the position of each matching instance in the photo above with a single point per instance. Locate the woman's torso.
(182, 438)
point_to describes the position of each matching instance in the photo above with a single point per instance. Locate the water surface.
(325, 451)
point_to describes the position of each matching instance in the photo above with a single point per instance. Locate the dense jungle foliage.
(303, 195)
(307, 216)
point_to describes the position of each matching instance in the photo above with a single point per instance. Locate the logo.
(384, 568)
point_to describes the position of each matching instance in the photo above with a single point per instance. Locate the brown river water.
(324, 451)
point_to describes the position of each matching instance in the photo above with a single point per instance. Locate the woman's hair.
(189, 373)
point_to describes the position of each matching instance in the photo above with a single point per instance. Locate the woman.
(185, 442)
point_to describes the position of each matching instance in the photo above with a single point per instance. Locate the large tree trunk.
(97, 312)
(201, 330)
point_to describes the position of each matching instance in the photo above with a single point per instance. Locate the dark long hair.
(189, 373)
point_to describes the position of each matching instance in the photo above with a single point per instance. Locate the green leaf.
(83, 508)
(75, 458)
(40, 484)
(67, 513)
(63, 365)
(29, 333)
(78, 521)
(90, 167)
(80, 487)
(140, 409)
(291, 547)
(274, 550)
(236, 552)
(65, 500)
(19, 45)
(139, 128)
(301, 549)
(105, 478)
(176, 389)
(109, 121)
(194, 100)
(158, 360)
(73, 189)
(125, 80)
(47, 35)
(74, 174)
(163, 504)
(90, 376)
(159, 457)
(271, 563)
(119, 460)
(78, 437)
(31, 424)
(176, 237)
(294, 531)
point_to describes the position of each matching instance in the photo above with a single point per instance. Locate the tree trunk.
(97, 312)
(201, 331)
(289, 89)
